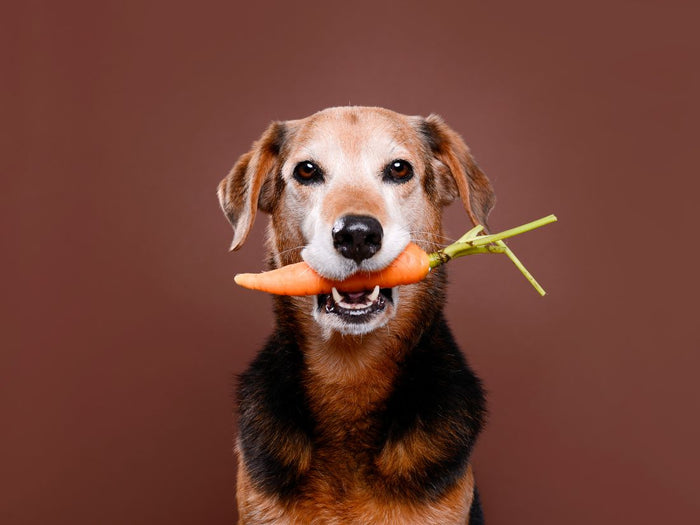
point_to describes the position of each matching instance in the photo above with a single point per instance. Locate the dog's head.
(347, 189)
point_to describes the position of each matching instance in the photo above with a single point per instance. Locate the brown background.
(122, 330)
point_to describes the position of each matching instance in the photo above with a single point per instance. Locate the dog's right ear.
(242, 191)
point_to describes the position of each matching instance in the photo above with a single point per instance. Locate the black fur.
(430, 134)
(434, 391)
(273, 408)
(476, 514)
(279, 135)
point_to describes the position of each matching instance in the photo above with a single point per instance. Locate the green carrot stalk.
(473, 243)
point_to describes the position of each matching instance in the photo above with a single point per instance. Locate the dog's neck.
(351, 375)
(348, 376)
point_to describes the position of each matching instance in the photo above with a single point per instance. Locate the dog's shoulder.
(275, 422)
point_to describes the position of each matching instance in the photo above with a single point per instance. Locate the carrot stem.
(522, 268)
(473, 243)
(471, 234)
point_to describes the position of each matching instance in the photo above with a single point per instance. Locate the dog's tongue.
(355, 297)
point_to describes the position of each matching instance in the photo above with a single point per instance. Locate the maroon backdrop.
(122, 330)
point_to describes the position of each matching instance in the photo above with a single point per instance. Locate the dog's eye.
(398, 171)
(308, 173)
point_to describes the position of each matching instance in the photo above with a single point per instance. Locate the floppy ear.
(249, 184)
(455, 171)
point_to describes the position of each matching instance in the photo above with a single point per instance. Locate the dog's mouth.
(355, 307)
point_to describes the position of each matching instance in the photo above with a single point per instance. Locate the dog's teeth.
(367, 300)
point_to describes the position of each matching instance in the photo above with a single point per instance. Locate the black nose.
(357, 237)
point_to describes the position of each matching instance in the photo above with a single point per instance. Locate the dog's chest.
(341, 495)
(349, 434)
(350, 428)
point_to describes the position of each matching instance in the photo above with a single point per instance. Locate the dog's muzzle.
(357, 238)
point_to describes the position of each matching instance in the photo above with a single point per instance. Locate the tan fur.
(352, 199)
(411, 453)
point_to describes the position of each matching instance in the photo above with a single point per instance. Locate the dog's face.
(348, 188)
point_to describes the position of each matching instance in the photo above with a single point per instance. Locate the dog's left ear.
(249, 185)
(455, 172)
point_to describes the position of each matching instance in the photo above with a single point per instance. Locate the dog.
(360, 408)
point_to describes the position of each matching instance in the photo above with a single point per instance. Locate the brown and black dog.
(360, 408)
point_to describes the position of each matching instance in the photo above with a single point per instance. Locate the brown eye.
(398, 171)
(307, 172)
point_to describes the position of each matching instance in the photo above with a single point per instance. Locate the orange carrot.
(411, 266)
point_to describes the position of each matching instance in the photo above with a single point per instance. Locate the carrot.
(411, 266)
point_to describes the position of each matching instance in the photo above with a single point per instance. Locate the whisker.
(300, 247)
(428, 239)
(430, 245)
(434, 235)
(307, 270)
